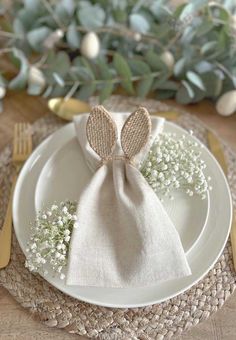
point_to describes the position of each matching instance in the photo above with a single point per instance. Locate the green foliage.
(133, 36)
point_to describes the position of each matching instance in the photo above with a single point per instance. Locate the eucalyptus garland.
(72, 48)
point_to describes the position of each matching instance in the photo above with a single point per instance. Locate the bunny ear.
(135, 132)
(101, 132)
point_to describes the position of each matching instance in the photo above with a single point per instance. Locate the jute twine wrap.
(160, 321)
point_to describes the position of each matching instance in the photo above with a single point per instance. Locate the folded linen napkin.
(124, 236)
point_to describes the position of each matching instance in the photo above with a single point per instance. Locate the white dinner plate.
(204, 244)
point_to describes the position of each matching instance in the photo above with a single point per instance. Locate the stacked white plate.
(56, 171)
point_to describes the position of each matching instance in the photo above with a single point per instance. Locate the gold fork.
(22, 148)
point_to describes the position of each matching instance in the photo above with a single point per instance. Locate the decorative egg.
(2, 92)
(90, 45)
(36, 77)
(226, 104)
(168, 58)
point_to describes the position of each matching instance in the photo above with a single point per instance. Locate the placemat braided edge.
(160, 321)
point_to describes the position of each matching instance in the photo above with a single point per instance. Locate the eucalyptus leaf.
(28, 17)
(165, 94)
(73, 36)
(139, 23)
(195, 79)
(82, 73)
(68, 5)
(91, 17)
(120, 15)
(139, 67)
(204, 28)
(178, 10)
(62, 15)
(179, 67)
(198, 94)
(166, 85)
(77, 61)
(124, 72)
(159, 10)
(18, 27)
(106, 91)
(213, 84)
(58, 91)
(88, 66)
(191, 8)
(208, 47)
(33, 5)
(86, 91)
(37, 36)
(20, 81)
(155, 62)
(188, 35)
(188, 88)
(182, 95)
(103, 69)
(144, 85)
(61, 63)
(203, 66)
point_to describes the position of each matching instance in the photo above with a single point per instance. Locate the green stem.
(5, 34)
(115, 80)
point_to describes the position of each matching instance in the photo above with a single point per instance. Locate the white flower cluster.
(175, 164)
(50, 238)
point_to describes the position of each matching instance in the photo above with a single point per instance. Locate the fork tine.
(17, 137)
(15, 144)
(21, 138)
(29, 138)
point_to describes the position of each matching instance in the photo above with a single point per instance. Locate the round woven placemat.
(160, 321)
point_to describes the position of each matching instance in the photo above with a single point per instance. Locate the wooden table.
(16, 322)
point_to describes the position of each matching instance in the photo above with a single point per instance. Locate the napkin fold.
(124, 236)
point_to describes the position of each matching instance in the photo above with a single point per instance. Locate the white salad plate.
(56, 171)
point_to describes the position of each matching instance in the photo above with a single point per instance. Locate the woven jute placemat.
(160, 321)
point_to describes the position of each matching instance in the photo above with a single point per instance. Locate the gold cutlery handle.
(6, 231)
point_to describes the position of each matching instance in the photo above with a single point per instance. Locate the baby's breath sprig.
(175, 164)
(50, 238)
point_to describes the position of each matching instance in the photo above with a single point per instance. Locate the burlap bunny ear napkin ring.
(101, 133)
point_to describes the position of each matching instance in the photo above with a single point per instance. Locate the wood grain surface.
(18, 323)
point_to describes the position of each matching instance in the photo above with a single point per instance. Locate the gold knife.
(216, 149)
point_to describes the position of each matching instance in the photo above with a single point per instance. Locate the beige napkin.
(124, 236)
